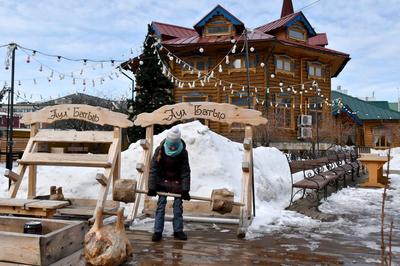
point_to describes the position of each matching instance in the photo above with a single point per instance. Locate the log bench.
(31, 207)
(318, 174)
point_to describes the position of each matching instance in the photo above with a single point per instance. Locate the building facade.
(365, 123)
(289, 70)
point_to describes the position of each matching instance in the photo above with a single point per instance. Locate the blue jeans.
(177, 222)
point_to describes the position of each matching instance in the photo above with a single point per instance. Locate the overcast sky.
(369, 30)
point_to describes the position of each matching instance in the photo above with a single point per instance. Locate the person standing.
(170, 172)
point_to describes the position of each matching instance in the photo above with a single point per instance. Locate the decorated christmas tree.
(153, 89)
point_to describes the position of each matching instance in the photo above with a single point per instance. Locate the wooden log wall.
(258, 78)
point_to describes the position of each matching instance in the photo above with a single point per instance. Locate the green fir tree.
(153, 89)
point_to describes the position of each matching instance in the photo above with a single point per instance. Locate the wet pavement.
(348, 235)
(207, 245)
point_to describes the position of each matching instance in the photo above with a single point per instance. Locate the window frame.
(314, 65)
(242, 58)
(297, 28)
(195, 61)
(284, 59)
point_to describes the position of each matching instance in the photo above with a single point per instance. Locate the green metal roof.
(380, 104)
(394, 106)
(361, 110)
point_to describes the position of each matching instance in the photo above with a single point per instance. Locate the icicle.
(34, 81)
(93, 83)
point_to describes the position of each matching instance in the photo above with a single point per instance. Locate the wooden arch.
(219, 112)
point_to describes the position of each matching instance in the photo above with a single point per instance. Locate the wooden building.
(364, 123)
(208, 63)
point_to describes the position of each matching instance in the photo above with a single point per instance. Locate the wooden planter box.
(60, 239)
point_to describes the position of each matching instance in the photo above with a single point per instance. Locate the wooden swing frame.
(223, 113)
(31, 158)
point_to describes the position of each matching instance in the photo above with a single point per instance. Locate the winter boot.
(180, 235)
(156, 237)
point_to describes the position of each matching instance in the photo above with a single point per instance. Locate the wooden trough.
(60, 241)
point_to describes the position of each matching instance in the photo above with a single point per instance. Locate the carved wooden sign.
(219, 112)
(93, 114)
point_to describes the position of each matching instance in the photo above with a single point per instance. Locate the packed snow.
(216, 163)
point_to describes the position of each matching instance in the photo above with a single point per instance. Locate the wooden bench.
(322, 172)
(31, 207)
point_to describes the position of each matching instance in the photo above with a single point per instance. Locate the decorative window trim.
(242, 58)
(316, 64)
(284, 59)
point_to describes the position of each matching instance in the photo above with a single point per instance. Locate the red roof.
(172, 30)
(315, 47)
(277, 23)
(253, 36)
(320, 40)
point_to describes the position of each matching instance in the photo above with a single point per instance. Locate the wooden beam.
(11, 175)
(101, 179)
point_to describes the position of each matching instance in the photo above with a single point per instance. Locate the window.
(284, 64)
(314, 108)
(284, 111)
(218, 25)
(194, 98)
(315, 70)
(197, 64)
(218, 29)
(241, 100)
(239, 64)
(295, 34)
(382, 137)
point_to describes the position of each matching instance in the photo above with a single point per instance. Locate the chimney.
(287, 8)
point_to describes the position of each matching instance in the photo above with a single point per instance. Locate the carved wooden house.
(283, 54)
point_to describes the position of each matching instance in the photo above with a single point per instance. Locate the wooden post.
(117, 167)
(246, 197)
(144, 170)
(32, 172)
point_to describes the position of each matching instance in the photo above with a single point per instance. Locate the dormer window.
(218, 25)
(297, 32)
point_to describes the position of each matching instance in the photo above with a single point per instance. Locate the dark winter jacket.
(169, 174)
